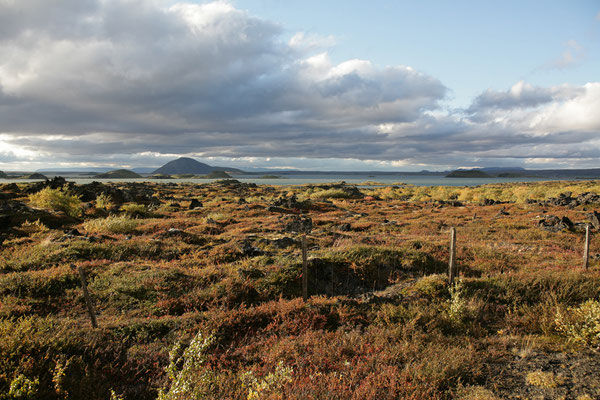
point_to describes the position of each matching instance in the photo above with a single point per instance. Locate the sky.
(314, 85)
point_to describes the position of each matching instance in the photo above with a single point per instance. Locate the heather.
(198, 292)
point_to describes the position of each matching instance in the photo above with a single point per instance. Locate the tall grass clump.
(57, 200)
(112, 224)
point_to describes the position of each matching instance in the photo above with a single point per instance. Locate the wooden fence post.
(88, 300)
(586, 249)
(304, 270)
(452, 261)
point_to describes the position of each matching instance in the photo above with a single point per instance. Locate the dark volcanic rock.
(195, 204)
(502, 212)
(284, 242)
(250, 251)
(57, 182)
(291, 202)
(14, 213)
(345, 227)
(298, 224)
(567, 200)
(552, 223)
(594, 218)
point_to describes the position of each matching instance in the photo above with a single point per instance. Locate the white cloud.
(572, 55)
(311, 42)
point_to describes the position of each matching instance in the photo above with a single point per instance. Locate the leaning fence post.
(586, 249)
(452, 261)
(304, 270)
(88, 300)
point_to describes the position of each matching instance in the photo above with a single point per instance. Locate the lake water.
(301, 179)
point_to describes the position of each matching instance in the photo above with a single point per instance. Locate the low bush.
(134, 209)
(580, 324)
(104, 201)
(57, 200)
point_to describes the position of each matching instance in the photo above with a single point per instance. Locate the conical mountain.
(185, 165)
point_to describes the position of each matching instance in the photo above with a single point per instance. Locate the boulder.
(552, 223)
(594, 218)
(298, 224)
(195, 203)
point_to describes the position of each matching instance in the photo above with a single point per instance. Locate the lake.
(302, 179)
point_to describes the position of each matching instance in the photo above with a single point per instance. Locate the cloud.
(572, 55)
(135, 67)
(521, 95)
(147, 80)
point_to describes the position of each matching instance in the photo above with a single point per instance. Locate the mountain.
(468, 173)
(3, 175)
(118, 174)
(217, 175)
(143, 170)
(186, 165)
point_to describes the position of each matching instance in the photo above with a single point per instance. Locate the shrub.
(331, 194)
(134, 209)
(104, 201)
(23, 388)
(581, 324)
(457, 310)
(268, 386)
(112, 224)
(192, 380)
(57, 200)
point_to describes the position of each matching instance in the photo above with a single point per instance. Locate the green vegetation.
(112, 224)
(207, 303)
(57, 200)
(104, 201)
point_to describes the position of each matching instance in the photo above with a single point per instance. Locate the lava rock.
(552, 223)
(195, 204)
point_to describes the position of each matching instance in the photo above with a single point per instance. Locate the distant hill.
(186, 165)
(118, 174)
(468, 173)
(35, 175)
(3, 175)
(217, 175)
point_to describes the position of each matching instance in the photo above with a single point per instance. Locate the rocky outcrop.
(14, 213)
(195, 203)
(297, 224)
(552, 223)
(566, 199)
(58, 182)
